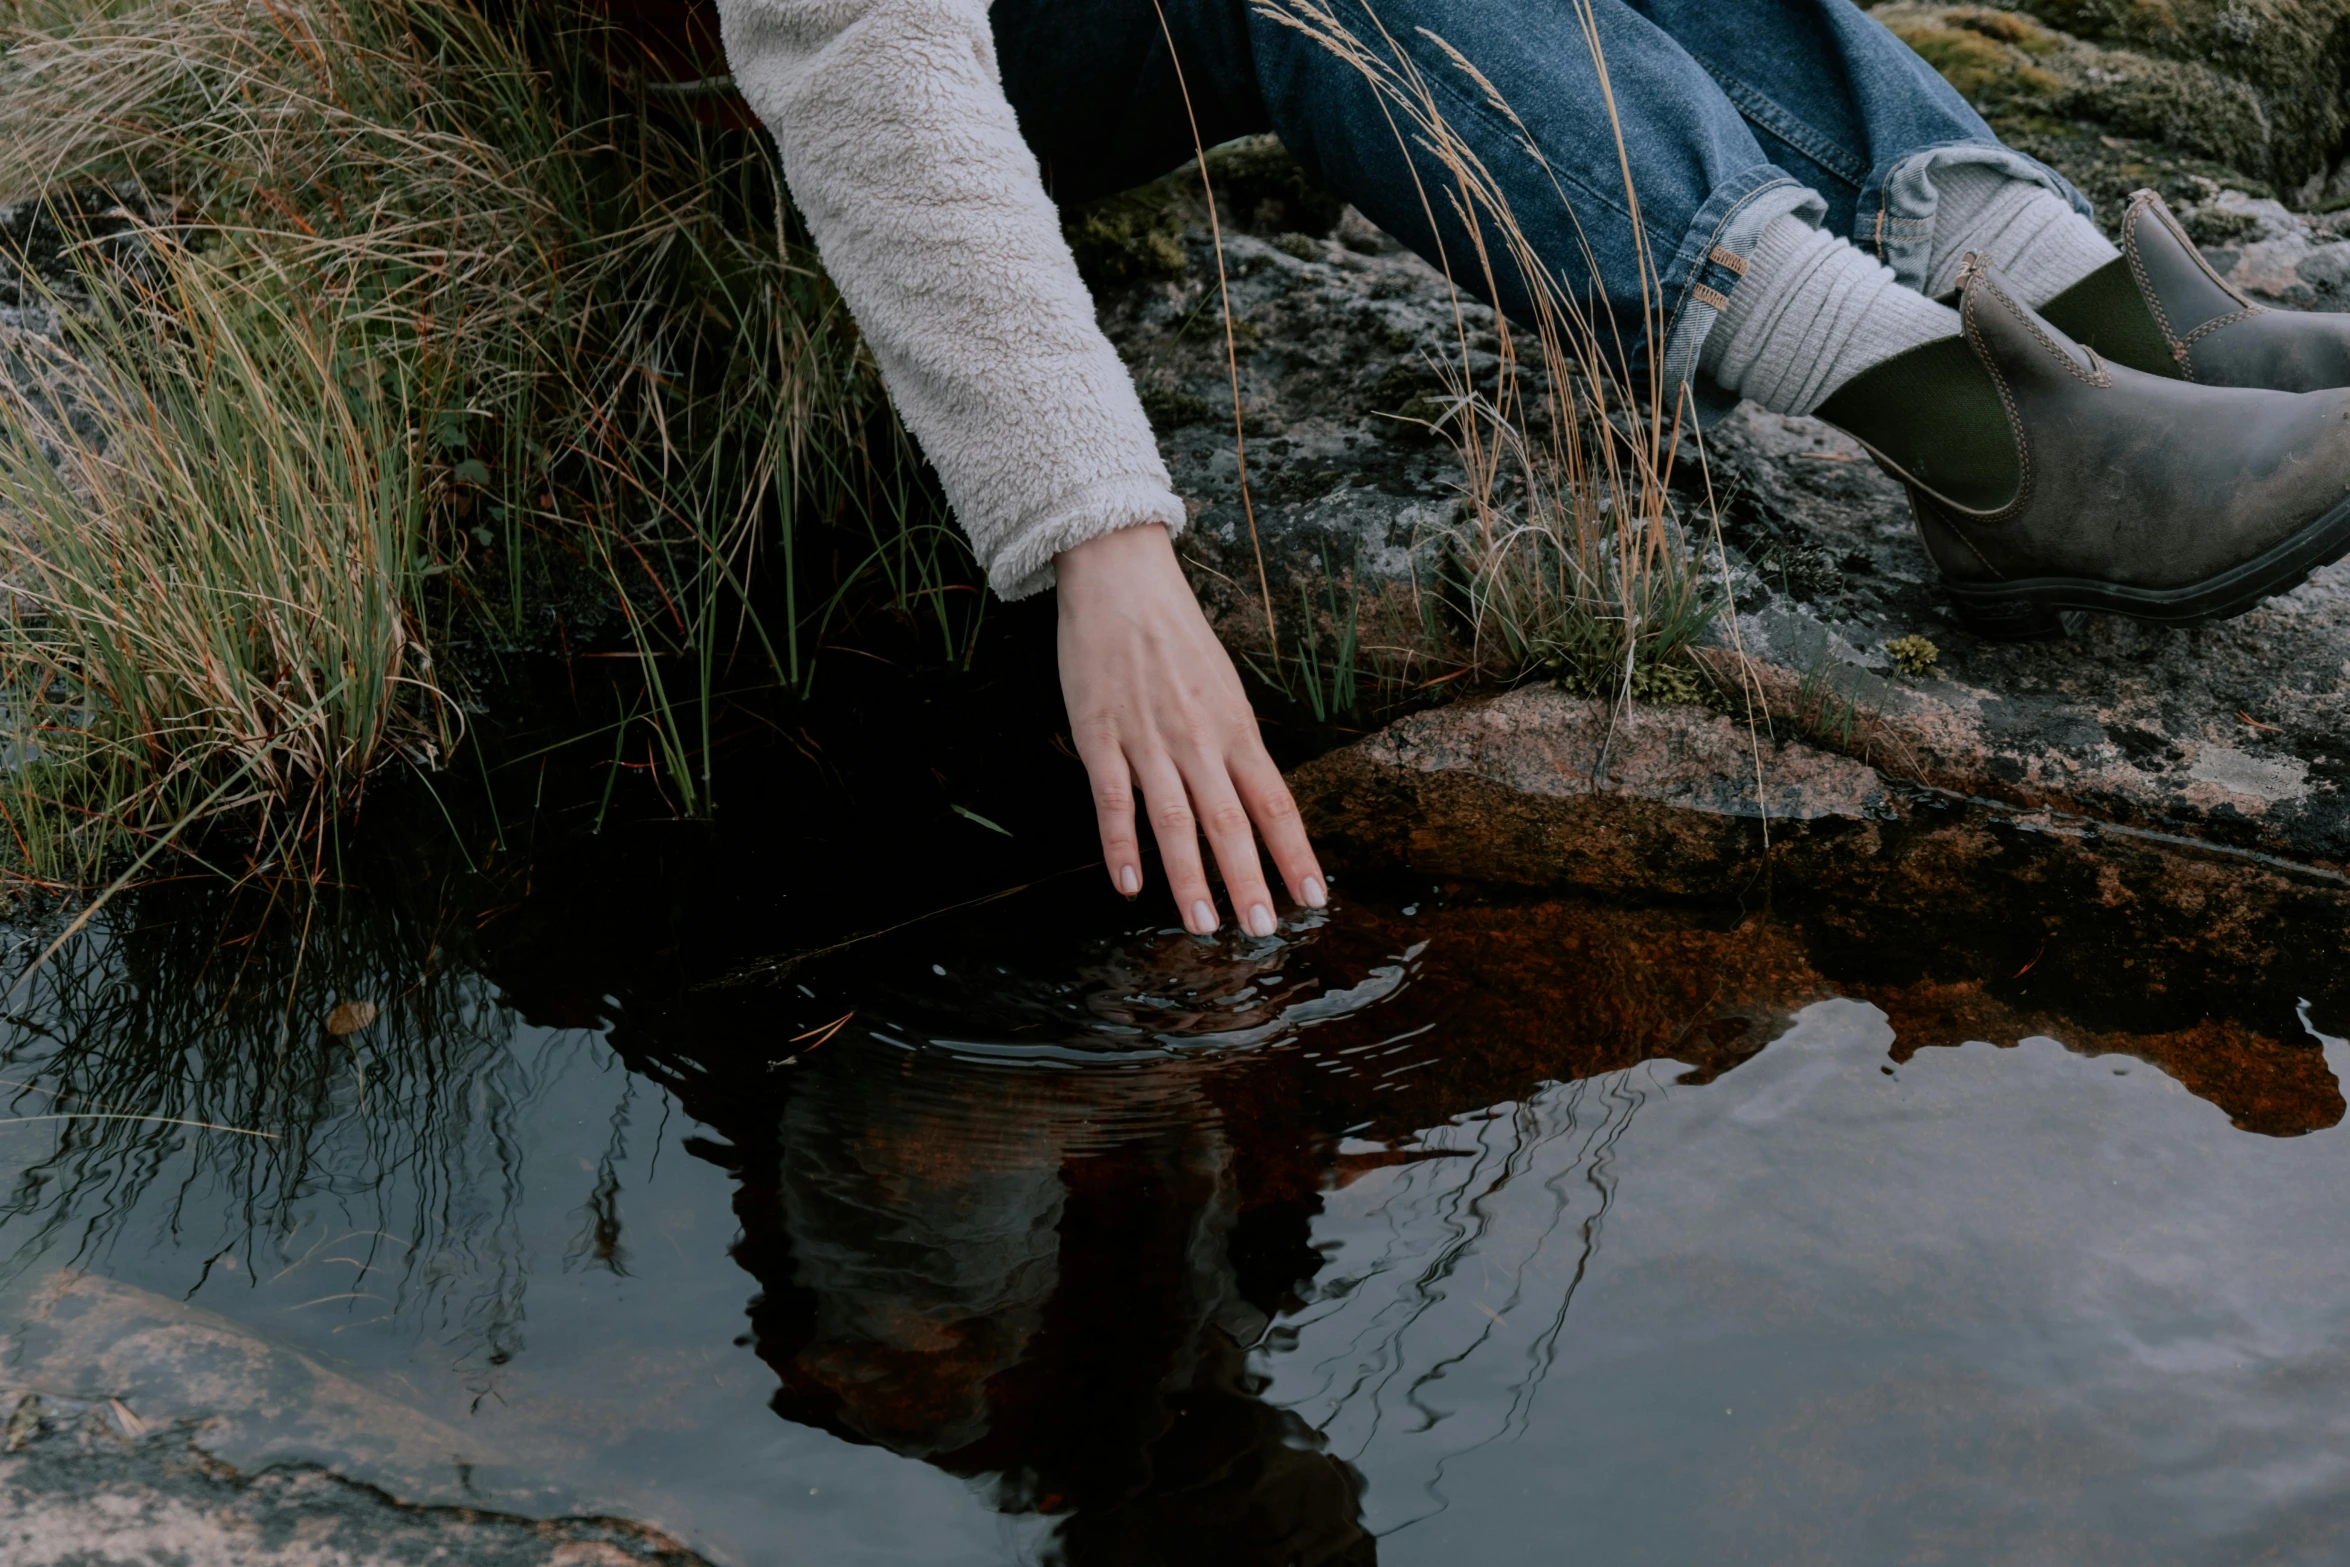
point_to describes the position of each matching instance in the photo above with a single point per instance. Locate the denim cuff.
(1709, 264)
(1895, 220)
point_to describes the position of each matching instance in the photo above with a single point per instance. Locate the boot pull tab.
(1980, 283)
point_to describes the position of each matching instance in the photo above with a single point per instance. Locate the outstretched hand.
(1156, 710)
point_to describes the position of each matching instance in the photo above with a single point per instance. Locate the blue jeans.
(1731, 112)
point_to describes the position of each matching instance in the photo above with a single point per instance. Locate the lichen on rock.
(2251, 94)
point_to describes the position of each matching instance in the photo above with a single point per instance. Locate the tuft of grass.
(1825, 709)
(1328, 679)
(208, 560)
(449, 332)
(1569, 555)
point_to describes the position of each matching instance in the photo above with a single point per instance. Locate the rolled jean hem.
(1895, 219)
(1709, 264)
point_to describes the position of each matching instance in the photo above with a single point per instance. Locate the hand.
(1155, 706)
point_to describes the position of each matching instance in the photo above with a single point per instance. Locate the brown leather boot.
(2161, 308)
(2047, 480)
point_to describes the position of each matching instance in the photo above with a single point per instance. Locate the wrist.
(1122, 563)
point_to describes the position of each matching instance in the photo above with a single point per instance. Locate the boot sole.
(2036, 608)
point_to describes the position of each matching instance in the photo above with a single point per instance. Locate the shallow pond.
(1441, 1227)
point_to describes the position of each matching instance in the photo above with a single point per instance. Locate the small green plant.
(1329, 682)
(1802, 570)
(1332, 685)
(1827, 709)
(1679, 683)
(1913, 655)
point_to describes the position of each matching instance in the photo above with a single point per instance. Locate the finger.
(1113, 811)
(1172, 824)
(1271, 806)
(1225, 821)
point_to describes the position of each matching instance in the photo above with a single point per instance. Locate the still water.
(1441, 1227)
(1155, 1250)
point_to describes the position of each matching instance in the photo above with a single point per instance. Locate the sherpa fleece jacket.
(930, 213)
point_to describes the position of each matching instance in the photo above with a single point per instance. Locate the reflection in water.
(1032, 1280)
(191, 1096)
(1062, 1234)
(1251, 1251)
(1047, 1278)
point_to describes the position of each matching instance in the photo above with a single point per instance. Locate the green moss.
(1676, 683)
(1128, 238)
(2108, 167)
(2216, 226)
(1673, 681)
(2009, 28)
(1170, 408)
(1987, 72)
(1913, 655)
(1266, 191)
(1137, 235)
(2260, 88)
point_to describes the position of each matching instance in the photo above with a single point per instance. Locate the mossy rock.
(1132, 237)
(1137, 235)
(1263, 190)
(2293, 54)
(2124, 93)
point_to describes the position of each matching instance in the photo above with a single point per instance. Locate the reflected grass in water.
(395, 1143)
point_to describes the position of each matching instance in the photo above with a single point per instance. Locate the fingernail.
(1129, 880)
(1316, 897)
(1260, 920)
(1203, 918)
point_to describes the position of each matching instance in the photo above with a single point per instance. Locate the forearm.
(932, 219)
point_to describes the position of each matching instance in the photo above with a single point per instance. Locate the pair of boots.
(2149, 443)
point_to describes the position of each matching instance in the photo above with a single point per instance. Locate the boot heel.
(2016, 619)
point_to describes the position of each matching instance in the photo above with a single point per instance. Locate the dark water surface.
(1442, 1227)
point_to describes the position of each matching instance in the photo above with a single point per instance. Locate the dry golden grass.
(1587, 571)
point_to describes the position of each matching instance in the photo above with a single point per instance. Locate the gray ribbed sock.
(2040, 245)
(1811, 313)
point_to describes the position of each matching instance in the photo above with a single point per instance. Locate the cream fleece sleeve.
(930, 213)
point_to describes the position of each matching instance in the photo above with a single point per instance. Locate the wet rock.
(1337, 347)
(2237, 733)
(89, 1491)
(2139, 944)
(142, 1429)
(2276, 256)
(1539, 787)
(257, 1404)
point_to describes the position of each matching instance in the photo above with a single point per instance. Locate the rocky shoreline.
(2235, 736)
